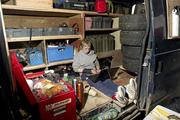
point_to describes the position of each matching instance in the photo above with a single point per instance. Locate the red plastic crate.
(59, 107)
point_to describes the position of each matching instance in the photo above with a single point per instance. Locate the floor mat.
(119, 76)
(174, 104)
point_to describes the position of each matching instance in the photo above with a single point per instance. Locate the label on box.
(57, 104)
(59, 110)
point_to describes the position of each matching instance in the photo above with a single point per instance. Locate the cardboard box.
(59, 107)
(162, 113)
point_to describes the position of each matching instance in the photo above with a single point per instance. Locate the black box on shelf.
(66, 31)
(37, 31)
(97, 22)
(51, 31)
(59, 31)
(107, 22)
(18, 32)
(26, 32)
(76, 5)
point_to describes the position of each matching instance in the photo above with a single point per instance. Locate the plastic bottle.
(74, 82)
(65, 77)
(175, 23)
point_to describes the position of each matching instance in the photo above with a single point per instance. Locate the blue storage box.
(35, 57)
(60, 53)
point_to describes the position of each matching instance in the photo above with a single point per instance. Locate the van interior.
(149, 53)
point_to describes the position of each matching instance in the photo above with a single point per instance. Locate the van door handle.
(159, 67)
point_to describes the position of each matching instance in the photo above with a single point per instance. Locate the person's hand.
(94, 71)
(98, 71)
(80, 70)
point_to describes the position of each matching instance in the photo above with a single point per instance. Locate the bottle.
(65, 77)
(80, 94)
(175, 23)
(74, 82)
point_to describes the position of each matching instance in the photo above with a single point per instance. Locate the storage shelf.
(21, 39)
(91, 13)
(103, 29)
(63, 37)
(34, 67)
(106, 54)
(19, 10)
(59, 63)
(178, 37)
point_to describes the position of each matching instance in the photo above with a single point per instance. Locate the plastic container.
(60, 53)
(18, 32)
(35, 57)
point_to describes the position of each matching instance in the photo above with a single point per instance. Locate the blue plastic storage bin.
(35, 57)
(60, 53)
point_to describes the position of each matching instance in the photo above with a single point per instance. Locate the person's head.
(85, 46)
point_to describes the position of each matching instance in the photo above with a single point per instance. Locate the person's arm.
(76, 65)
(97, 65)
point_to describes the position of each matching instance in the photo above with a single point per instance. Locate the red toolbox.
(59, 107)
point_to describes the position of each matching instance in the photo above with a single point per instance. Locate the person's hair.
(85, 42)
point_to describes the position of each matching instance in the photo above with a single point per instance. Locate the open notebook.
(103, 75)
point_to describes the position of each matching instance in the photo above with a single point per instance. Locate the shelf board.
(59, 63)
(103, 29)
(91, 13)
(106, 54)
(34, 67)
(62, 37)
(19, 10)
(178, 37)
(22, 39)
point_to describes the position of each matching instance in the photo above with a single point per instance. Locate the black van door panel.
(165, 59)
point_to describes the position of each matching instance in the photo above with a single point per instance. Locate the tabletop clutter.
(49, 83)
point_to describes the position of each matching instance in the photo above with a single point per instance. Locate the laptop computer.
(103, 75)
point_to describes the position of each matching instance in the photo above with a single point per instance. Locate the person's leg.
(110, 85)
(107, 87)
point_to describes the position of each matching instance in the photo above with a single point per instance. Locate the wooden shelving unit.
(28, 68)
(103, 29)
(19, 10)
(22, 39)
(28, 17)
(59, 63)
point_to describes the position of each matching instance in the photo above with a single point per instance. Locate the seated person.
(86, 62)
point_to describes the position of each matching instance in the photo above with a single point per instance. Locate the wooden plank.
(103, 29)
(20, 10)
(16, 21)
(170, 5)
(63, 37)
(59, 63)
(91, 13)
(13, 9)
(35, 3)
(28, 68)
(95, 102)
(23, 39)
